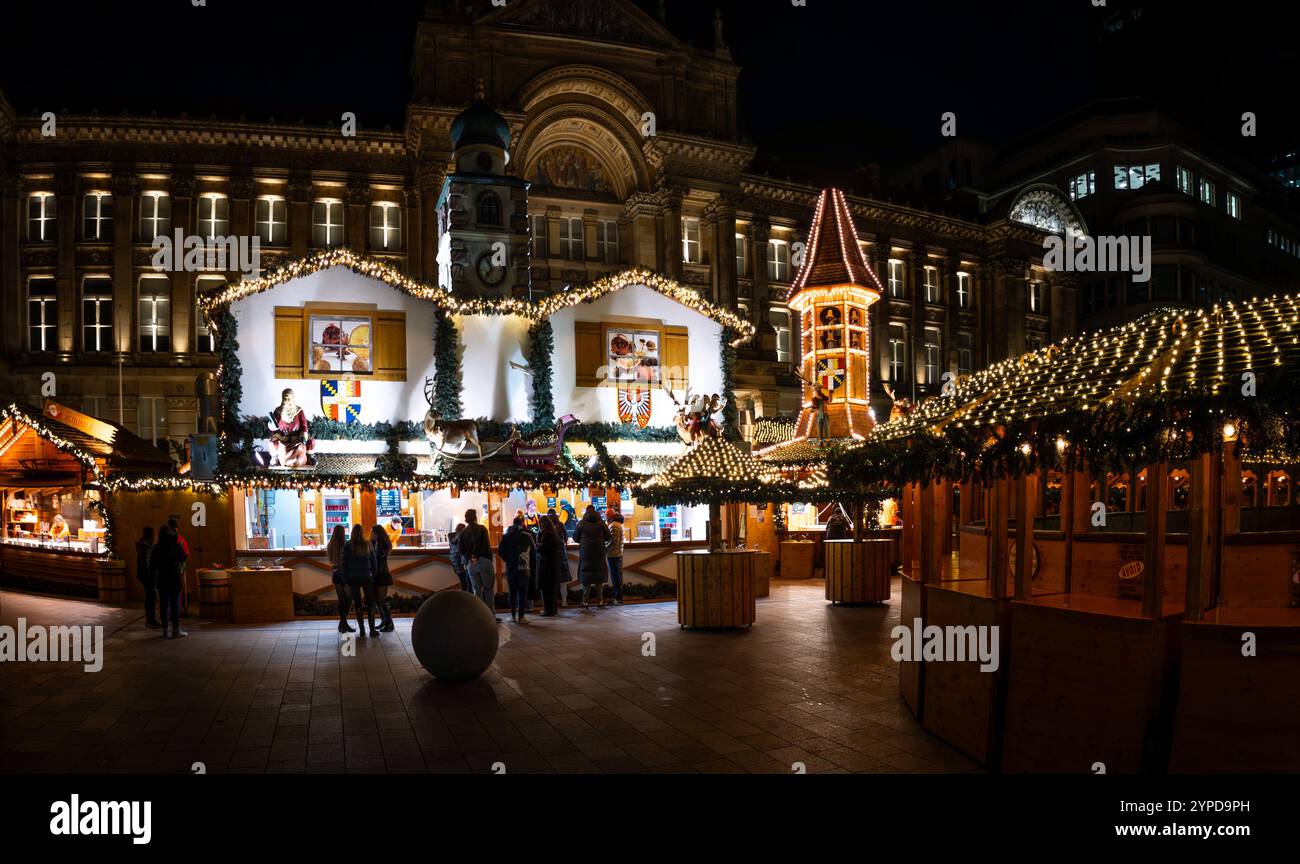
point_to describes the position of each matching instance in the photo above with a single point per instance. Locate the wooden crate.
(858, 572)
(715, 589)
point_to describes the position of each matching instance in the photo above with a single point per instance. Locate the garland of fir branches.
(730, 416)
(230, 387)
(541, 345)
(446, 366)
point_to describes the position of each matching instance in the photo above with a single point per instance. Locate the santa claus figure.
(291, 444)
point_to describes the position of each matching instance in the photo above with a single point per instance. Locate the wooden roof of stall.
(59, 446)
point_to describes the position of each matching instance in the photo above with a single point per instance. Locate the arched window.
(489, 209)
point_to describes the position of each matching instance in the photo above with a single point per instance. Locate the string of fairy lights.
(382, 271)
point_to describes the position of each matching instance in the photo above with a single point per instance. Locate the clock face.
(488, 272)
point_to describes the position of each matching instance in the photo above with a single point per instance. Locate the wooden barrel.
(715, 589)
(858, 572)
(797, 559)
(112, 581)
(214, 595)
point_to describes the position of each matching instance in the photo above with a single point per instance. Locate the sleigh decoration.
(543, 449)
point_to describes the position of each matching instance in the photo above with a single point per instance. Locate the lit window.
(155, 314)
(205, 336)
(97, 314)
(385, 225)
(778, 261)
(42, 313)
(41, 210)
(214, 215)
(1135, 176)
(1083, 185)
(965, 353)
(690, 240)
(933, 350)
(895, 278)
(540, 249)
(742, 255)
(1036, 296)
(963, 290)
(97, 208)
(1234, 205)
(780, 321)
(155, 215)
(897, 353)
(931, 284)
(1184, 180)
(326, 222)
(271, 220)
(607, 241)
(1207, 192)
(571, 247)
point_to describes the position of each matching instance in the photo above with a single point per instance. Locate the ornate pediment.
(607, 20)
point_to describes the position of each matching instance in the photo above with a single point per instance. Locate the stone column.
(125, 188)
(671, 254)
(412, 232)
(66, 266)
(182, 299)
(879, 319)
(589, 249)
(357, 201)
(298, 193)
(915, 270)
(948, 297)
(725, 289)
(428, 182)
(760, 231)
(11, 287)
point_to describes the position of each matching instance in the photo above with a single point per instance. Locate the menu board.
(667, 518)
(633, 355)
(388, 502)
(341, 344)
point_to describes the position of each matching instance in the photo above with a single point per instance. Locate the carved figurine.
(291, 442)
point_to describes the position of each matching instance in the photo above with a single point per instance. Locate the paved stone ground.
(808, 683)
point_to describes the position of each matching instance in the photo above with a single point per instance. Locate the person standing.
(383, 578)
(185, 547)
(476, 550)
(563, 573)
(838, 528)
(591, 535)
(167, 564)
(358, 575)
(614, 554)
(516, 550)
(550, 547)
(143, 548)
(457, 560)
(338, 538)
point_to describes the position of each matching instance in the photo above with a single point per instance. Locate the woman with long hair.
(358, 575)
(383, 579)
(338, 537)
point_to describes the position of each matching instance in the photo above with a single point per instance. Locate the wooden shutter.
(390, 346)
(588, 353)
(288, 342)
(676, 359)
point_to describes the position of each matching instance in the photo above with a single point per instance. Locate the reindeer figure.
(448, 437)
(695, 417)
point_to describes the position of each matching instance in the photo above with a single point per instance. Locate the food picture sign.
(633, 355)
(341, 344)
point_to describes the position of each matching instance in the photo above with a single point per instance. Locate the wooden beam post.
(928, 541)
(1153, 560)
(1200, 553)
(1024, 535)
(999, 493)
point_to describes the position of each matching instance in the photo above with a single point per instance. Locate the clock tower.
(483, 212)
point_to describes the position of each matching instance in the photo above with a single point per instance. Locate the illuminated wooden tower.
(832, 295)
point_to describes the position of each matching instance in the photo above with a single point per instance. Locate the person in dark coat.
(167, 564)
(591, 536)
(334, 551)
(380, 542)
(457, 560)
(549, 549)
(564, 573)
(838, 528)
(358, 575)
(516, 550)
(143, 548)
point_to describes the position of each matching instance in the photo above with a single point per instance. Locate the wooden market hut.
(1148, 613)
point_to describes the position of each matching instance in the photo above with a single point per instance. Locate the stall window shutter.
(677, 357)
(288, 342)
(587, 354)
(390, 346)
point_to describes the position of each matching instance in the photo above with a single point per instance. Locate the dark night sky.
(825, 88)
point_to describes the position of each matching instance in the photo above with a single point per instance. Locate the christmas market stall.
(1126, 520)
(57, 467)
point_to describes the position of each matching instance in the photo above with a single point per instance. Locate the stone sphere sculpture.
(454, 636)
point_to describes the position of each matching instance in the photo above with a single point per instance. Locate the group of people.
(160, 568)
(535, 552)
(359, 568)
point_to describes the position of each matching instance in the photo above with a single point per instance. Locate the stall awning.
(55, 446)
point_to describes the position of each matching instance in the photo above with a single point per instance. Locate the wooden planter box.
(858, 572)
(715, 589)
(261, 596)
